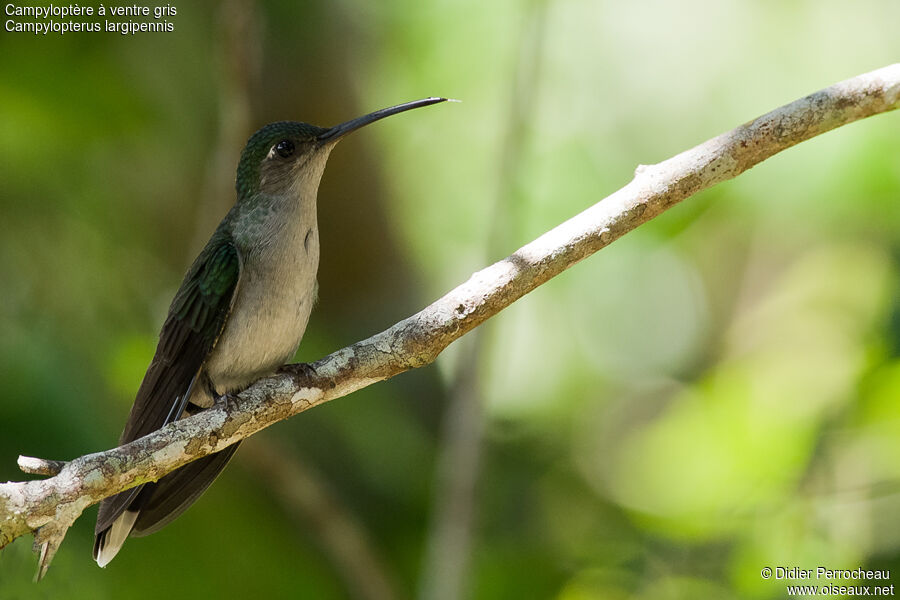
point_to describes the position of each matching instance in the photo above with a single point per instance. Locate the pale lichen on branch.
(48, 507)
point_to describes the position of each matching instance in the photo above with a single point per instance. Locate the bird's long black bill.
(343, 129)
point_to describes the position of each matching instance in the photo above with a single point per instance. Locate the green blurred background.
(713, 394)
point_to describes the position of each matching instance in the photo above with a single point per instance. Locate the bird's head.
(283, 157)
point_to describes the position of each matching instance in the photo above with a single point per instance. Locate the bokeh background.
(712, 394)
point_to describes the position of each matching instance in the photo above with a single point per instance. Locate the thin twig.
(40, 466)
(447, 559)
(306, 497)
(48, 507)
(239, 56)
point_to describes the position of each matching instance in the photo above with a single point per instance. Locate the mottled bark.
(48, 507)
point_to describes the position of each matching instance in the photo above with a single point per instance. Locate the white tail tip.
(112, 539)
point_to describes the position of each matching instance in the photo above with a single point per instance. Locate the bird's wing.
(169, 497)
(196, 319)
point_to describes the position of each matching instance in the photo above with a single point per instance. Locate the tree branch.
(48, 507)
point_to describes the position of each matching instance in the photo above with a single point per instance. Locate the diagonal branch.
(48, 507)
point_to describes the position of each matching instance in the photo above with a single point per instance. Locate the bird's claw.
(226, 401)
(301, 372)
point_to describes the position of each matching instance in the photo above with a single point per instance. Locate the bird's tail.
(155, 505)
(108, 542)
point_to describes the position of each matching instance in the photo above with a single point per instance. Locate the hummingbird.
(239, 314)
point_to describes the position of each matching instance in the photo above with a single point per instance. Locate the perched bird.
(240, 312)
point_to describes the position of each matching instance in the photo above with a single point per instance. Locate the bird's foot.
(226, 401)
(302, 373)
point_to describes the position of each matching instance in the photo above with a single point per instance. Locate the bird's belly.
(264, 329)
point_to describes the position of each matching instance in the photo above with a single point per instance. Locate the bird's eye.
(284, 148)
